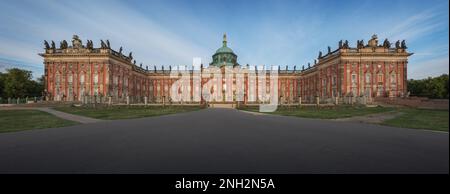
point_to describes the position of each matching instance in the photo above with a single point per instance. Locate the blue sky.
(261, 32)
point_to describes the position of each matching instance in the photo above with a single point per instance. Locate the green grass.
(125, 112)
(325, 112)
(421, 119)
(409, 117)
(18, 120)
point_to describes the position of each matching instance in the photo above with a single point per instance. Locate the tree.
(430, 87)
(1, 83)
(18, 83)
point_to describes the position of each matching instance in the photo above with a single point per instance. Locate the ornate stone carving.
(47, 46)
(130, 55)
(345, 46)
(373, 42)
(63, 44)
(386, 43)
(76, 42)
(403, 46)
(53, 46)
(102, 44)
(397, 44)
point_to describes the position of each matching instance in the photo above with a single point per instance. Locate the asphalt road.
(224, 141)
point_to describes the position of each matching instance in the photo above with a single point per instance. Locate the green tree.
(1, 84)
(18, 83)
(436, 87)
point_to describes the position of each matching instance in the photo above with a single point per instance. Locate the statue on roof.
(102, 44)
(53, 45)
(130, 55)
(340, 44)
(403, 46)
(89, 44)
(320, 54)
(107, 44)
(329, 49)
(360, 44)
(345, 46)
(47, 46)
(63, 44)
(120, 50)
(76, 42)
(386, 43)
(397, 44)
(373, 42)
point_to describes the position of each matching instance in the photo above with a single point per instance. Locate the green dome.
(224, 56)
(224, 49)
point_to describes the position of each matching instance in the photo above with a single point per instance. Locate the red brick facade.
(76, 72)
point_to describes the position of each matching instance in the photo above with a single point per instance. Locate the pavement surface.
(224, 141)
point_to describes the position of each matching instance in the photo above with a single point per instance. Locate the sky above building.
(261, 32)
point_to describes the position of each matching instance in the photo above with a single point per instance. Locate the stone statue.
(320, 54)
(397, 44)
(303, 67)
(340, 44)
(63, 44)
(140, 65)
(76, 42)
(102, 44)
(47, 46)
(329, 49)
(373, 42)
(134, 62)
(360, 44)
(315, 61)
(154, 68)
(386, 43)
(130, 55)
(53, 45)
(345, 44)
(170, 67)
(286, 67)
(120, 50)
(309, 65)
(90, 44)
(146, 67)
(107, 44)
(403, 46)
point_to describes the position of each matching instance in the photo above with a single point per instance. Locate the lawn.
(17, 120)
(408, 117)
(325, 112)
(125, 112)
(421, 119)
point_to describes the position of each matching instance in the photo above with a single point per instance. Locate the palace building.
(80, 71)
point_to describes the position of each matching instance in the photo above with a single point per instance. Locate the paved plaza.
(224, 141)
